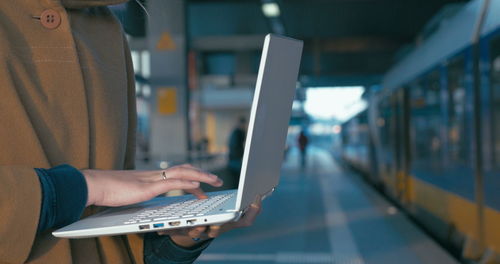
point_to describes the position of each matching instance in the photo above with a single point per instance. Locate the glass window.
(458, 148)
(135, 61)
(417, 103)
(145, 64)
(426, 122)
(385, 125)
(398, 127)
(495, 90)
(382, 123)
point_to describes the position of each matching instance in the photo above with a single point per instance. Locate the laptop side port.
(158, 225)
(143, 227)
(174, 223)
(191, 221)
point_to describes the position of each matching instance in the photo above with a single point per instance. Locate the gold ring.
(163, 175)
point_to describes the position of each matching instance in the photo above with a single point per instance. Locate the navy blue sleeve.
(162, 250)
(64, 195)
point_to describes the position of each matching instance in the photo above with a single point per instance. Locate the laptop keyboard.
(182, 207)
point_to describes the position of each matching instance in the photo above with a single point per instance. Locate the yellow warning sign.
(167, 100)
(166, 42)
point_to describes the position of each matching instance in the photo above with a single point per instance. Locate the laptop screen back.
(269, 118)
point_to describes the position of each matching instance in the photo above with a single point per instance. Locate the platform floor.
(322, 214)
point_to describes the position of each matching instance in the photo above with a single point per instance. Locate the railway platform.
(323, 213)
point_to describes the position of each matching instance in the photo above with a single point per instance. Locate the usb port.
(174, 223)
(143, 227)
(191, 222)
(158, 225)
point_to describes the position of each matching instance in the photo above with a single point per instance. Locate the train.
(430, 138)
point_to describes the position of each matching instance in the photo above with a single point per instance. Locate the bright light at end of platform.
(296, 105)
(271, 9)
(340, 103)
(164, 164)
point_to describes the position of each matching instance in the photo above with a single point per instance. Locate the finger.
(258, 200)
(198, 192)
(187, 165)
(177, 231)
(213, 231)
(197, 232)
(193, 174)
(200, 229)
(164, 233)
(247, 219)
(160, 187)
(170, 232)
(250, 215)
(257, 203)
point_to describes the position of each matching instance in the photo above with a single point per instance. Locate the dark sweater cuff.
(64, 195)
(162, 250)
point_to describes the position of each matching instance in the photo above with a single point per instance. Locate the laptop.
(260, 172)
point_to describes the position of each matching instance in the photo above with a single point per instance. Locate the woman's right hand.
(124, 187)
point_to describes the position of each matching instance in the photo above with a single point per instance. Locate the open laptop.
(267, 129)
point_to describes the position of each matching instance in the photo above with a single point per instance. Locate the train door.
(391, 124)
(425, 129)
(490, 112)
(386, 125)
(394, 145)
(402, 145)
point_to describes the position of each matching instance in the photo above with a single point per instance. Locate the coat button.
(50, 19)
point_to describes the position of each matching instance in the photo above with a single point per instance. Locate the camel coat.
(67, 96)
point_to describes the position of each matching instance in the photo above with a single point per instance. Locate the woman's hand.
(124, 187)
(188, 237)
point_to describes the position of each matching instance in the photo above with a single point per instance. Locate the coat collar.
(90, 3)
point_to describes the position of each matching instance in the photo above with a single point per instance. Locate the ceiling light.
(271, 9)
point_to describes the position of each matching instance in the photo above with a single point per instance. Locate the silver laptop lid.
(269, 118)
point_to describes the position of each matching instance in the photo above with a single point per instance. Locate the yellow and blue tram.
(431, 136)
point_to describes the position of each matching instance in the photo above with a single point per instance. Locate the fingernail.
(195, 183)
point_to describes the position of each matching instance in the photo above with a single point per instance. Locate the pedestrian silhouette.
(303, 141)
(236, 146)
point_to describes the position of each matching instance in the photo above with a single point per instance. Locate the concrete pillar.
(166, 34)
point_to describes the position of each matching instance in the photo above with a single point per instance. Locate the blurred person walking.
(303, 141)
(236, 145)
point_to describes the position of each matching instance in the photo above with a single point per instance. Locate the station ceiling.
(345, 40)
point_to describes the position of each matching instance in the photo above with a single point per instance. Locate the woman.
(68, 123)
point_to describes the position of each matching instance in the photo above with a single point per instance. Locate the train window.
(495, 90)
(458, 152)
(382, 123)
(417, 104)
(385, 124)
(426, 122)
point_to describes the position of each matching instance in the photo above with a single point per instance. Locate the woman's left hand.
(189, 237)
